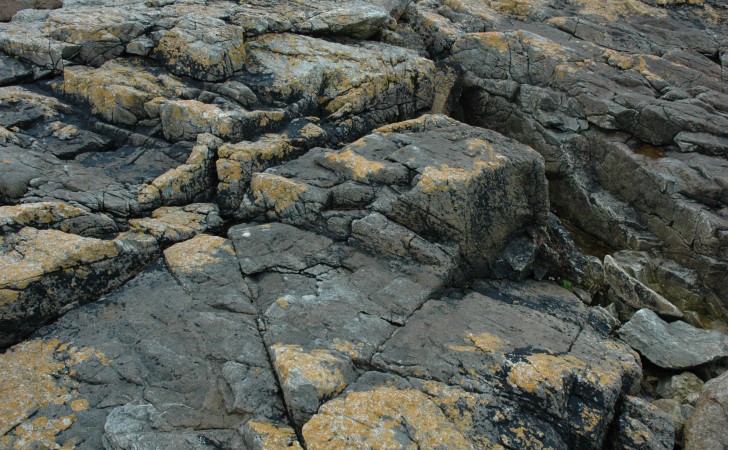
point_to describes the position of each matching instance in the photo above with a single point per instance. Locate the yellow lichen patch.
(384, 417)
(38, 252)
(8, 296)
(484, 342)
(119, 89)
(283, 303)
(433, 179)
(80, 405)
(358, 166)
(348, 348)
(41, 433)
(545, 46)
(190, 256)
(543, 371)
(268, 147)
(523, 438)
(613, 9)
(274, 437)
(50, 105)
(495, 39)
(34, 375)
(276, 192)
(318, 368)
(423, 122)
(487, 342)
(39, 213)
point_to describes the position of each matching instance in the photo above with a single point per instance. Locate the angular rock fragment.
(207, 268)
(564, 78)
(683, 387)
(675, 345)
(185, 183)
(443, 180)
(635, 293)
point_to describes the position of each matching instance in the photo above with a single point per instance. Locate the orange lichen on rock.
(275, 191)
(190, 256)
(33, 376)
(384, 417)
(316, 368)
(274, 437)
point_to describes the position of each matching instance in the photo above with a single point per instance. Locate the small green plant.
(565, 283)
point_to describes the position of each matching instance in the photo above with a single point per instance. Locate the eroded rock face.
(609, 94)
(254, 225)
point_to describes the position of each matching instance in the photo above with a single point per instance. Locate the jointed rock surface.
(329, 224)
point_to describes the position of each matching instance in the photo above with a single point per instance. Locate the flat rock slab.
(237, 343)
(675, 345)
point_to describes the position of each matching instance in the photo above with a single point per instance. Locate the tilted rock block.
(55, 215)
(635, 293)
(46, 271)
(675, 345)
(186, 183)
(445, 181)
(119, 90)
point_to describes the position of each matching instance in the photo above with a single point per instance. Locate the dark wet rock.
(706, 429)
(675, 345)
(673, 409)
(13, 71)
(644, 426)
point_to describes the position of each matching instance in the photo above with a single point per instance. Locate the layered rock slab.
(445, 181)
(45, 272)
(609, 95)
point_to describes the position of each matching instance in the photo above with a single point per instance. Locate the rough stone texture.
(479, 193)
(626, 101)
(174, 224)
(635, 293)
(44, 272)
(675, 345)
(277, 306)
(55, 215)
(682, 387)
(389, 276)
(706, 429)
(643, 426)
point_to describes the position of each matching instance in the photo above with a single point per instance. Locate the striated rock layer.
(343, 224)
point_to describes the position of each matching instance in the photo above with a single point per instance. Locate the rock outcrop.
(343, 224)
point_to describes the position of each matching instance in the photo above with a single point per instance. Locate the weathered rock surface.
(706, 429)
(47, 271)
(609, 94)
(321, 258)
(675, 345)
